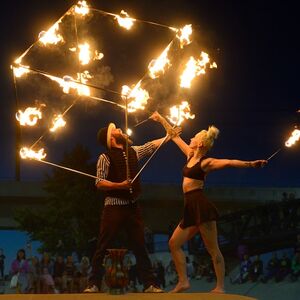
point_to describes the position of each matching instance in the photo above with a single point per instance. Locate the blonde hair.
(207, 137)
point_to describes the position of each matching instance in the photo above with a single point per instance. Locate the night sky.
(252, 97)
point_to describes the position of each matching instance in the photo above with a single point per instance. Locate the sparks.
(183, 35)
(138, 97)
(29, 117)
(31, 154)
(295, 136)
(179, 113)
(124, 20)
(58, 122)
(157, 66)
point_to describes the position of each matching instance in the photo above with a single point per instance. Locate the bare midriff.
(190, 184)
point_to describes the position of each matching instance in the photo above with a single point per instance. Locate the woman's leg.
(209, 235)
(179, 237)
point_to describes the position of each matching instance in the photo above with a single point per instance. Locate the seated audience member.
(284, 268)
(84, 269)
(58, 272)
(69, 275)
(295, 269)
(256, 269)
(243, 276)
(34, 275)
(46, 277)
(272, 268)
(20, 268)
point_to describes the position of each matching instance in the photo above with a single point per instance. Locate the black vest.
(117, 172)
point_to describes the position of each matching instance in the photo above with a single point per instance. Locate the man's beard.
(121, 139)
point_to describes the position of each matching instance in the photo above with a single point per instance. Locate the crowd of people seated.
(276, 268)
(48, 275)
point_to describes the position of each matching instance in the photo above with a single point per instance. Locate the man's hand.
(173, 132)
(156, 116)
(124, 185)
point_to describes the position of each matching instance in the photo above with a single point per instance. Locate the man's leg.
(135, 231)
(110, 225)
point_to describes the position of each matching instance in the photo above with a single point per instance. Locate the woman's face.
(197, 140)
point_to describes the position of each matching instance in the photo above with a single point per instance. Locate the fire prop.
(292, 140)
(133, 98)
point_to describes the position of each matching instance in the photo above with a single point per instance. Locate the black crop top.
(195, 172)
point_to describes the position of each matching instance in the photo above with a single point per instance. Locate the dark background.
(252, 97)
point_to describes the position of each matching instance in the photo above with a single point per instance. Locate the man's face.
(120, 137)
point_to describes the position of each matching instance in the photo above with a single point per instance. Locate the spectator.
(20, 267)
(272, 268)
(243, 275)
(295, 266)
(69, 275)
(34, 275)
(160, 274)
(189, 268)
(84, 269)
(2, 258)
(284, 268)
(58, 272)
(46, 270)
(132, 272)
(256, 269)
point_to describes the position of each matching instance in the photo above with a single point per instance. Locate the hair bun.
(213, 132)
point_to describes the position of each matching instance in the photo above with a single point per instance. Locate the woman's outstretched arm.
(212, 164)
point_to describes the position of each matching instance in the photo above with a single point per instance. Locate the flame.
(158, 65)
(29, 153)
(51, 36)
(67, 83)
(129, 132)
(295, 136)
(183, 35)
(20, 71)
(139, 96)
(98, 55)
(194, 68)
(58, 122)
(179, 113)
(29, 117)
(84, 53)
(124, 20)
(82, 8)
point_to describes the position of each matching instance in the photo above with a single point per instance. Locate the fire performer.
(199, 214)
(121, 209)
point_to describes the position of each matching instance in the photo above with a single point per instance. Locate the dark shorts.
(197, 209)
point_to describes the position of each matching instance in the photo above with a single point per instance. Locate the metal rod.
(137, 20)
(65, 168)
(140, 123)
(138, 173)
(274, 153)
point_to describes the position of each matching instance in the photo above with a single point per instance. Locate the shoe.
(91, 289)
(153, 289)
